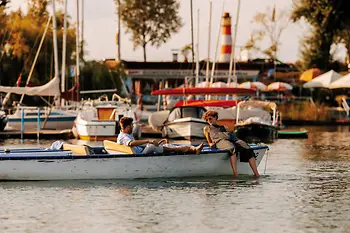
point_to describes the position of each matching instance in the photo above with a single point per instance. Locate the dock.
(44, 134)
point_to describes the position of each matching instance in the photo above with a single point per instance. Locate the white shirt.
(125, 139)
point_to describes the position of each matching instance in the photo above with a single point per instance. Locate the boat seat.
(116, 148)
(76, 149)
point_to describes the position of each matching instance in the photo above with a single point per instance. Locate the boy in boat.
(219, 136)
(152, 146)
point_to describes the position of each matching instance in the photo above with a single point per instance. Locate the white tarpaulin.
(323, 80)
(51, 88)
(343, 82)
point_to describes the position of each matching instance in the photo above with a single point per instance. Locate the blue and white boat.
(54, 119)
(75, 162)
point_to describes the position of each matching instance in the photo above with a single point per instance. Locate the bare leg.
(252, 164)
(185, 149)
(233, 161)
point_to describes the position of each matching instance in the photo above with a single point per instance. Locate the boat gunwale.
(16, 155)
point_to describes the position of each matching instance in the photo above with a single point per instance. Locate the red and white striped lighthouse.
(226, 39)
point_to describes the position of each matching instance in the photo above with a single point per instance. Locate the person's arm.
(207, 136)
(140, 142)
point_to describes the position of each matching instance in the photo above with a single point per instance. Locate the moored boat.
(49, 119)
(82, 162)
(262, 127)
(99, 121)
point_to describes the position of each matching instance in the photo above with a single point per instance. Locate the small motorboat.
(114, 161)
(262, 126)
(302, 133)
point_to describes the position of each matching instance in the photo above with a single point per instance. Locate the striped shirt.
(125, 139)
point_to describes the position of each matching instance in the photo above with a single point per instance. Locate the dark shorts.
(244, 151)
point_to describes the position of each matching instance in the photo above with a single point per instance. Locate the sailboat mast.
(82, 30)
(209, 36)
(192, 39)
(36, 56)
(118, 57)
(197, 48)
(55, 50)
(64, 42)
(77, 48)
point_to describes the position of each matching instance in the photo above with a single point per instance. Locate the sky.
(100, 24)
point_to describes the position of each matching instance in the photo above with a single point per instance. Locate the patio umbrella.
(253, 85)
(203, 84)
(219, 84)
(233, 84)
(279, 86)
(343, 82)
(324, 80)
(310, 74)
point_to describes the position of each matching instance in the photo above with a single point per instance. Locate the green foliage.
(97, 76)
(150, 22)
(271, 25)
(20, 37)
(328, 19)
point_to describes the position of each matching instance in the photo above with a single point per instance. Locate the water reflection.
(306, 189)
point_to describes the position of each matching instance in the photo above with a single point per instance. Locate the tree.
(150, 22)
(185, 51)
(271, 26)
(328, 18)
(21, 35)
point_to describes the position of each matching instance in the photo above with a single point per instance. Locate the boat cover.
(51, 88)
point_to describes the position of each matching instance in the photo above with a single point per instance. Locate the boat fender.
(7, 150)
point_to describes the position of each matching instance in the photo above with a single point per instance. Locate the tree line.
(20, 34)
(329, 27)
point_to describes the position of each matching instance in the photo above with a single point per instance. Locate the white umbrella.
(253, 85)
(233, 84)
(219, 84)
(323, 80)
(203, 84)
(343, 82)
(279, 86)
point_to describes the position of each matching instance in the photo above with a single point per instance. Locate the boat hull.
(63, 166)
(95, 130)
(257, 133)
(30, 124)
(184, 128)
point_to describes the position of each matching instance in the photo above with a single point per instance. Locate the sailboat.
(50, 118)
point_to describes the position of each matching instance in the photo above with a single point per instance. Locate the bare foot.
(199, 148)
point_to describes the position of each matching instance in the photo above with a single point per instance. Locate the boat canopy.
(52, 88)
(208, 103)
(217, 91)
(182, 112)
(258, 104)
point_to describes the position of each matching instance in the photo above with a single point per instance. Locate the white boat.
(42, 164)
(49, 119)
(180, 122)
(262, 127)
(100, 120)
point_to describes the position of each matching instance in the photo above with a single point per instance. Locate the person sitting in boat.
(152, 146)
(219, 136)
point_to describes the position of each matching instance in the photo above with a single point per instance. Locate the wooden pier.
(44, 134)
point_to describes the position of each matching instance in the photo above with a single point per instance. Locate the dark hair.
(210, 113)
(125, 122)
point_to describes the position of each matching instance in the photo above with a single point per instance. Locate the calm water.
(306, 188)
